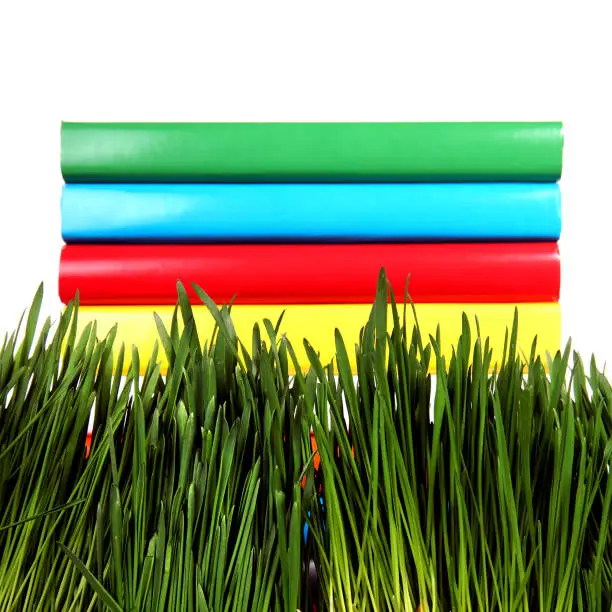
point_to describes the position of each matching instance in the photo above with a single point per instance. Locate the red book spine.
(311, 274)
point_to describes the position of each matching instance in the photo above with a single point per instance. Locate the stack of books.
(299, 218)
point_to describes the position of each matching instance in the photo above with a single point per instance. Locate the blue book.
(416, 212)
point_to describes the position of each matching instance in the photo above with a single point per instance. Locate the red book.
(310, 274)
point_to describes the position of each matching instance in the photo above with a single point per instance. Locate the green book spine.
(311, 152)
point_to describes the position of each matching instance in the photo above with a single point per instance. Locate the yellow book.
(136, 326)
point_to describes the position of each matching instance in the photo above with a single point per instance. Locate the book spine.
(311, 212)
(310, 274)
(311, 152)
(136, 325)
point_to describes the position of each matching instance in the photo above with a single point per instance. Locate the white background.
(312, 60)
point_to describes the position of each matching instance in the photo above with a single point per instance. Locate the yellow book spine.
(317, 323)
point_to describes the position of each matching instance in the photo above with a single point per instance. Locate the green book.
(311, 152)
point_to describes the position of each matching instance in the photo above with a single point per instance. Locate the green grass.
(199, 483)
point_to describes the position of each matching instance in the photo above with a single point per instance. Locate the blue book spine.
(419, 212)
